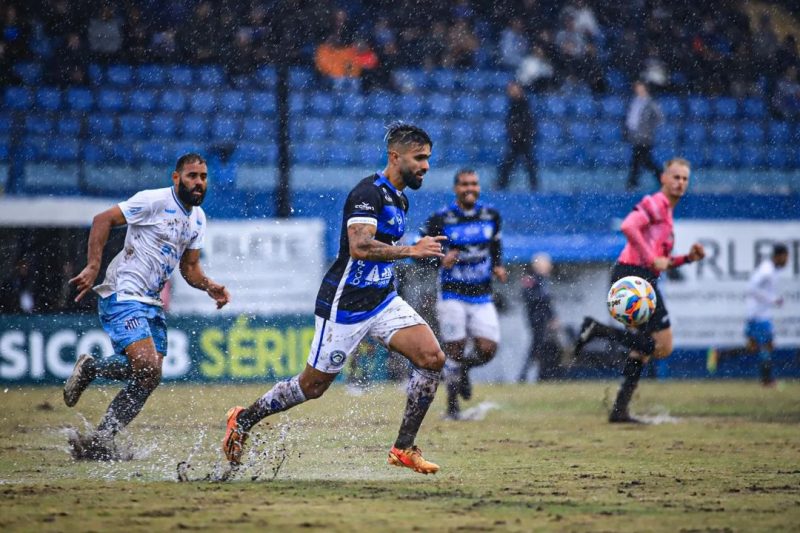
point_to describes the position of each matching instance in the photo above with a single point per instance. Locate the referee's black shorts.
(660, 318)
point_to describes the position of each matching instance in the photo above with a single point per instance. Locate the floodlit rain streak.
(261, 261)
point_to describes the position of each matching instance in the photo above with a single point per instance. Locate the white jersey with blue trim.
(160, 229)
(762, 291)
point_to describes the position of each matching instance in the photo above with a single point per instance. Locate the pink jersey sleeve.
(648, 229)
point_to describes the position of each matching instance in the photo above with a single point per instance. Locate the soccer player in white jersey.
(761, 298)
(166, 228)
(358, 297)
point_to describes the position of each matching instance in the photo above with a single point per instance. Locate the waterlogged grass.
(724, 456)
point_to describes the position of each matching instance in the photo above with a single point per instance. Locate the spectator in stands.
(17, 292)
(786, 98)
(68, 66)
(14, 34)
(787, 54)
(137, 36)
(644, 117)
(765, 46)
(545, 350)
(105, 34)
(513, 44)
(578, 54)
(520, 132)
(336, 62)
(198, 39)
(462, 46)
(654, 69)
(535, 71)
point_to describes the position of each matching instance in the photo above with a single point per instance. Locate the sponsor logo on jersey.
(365, 206)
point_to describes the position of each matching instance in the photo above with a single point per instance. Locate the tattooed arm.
(364, 246)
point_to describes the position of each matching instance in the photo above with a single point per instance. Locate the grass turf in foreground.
(727, 457)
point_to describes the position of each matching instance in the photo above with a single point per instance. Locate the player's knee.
(485, 349)
(662, 351)
(432, 359)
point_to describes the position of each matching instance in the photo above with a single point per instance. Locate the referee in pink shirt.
(649, 231)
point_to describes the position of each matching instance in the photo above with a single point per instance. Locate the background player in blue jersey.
(473, 256)
(166, 229)
(358, 297)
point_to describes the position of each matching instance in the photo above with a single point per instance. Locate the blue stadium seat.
(62, 150)
(340, 154)
(157, 152)
(209, 76)
(48, 99)
(111, 100)
(777, 156)
(4, 152)
(68, 125)
(313, 129)
(410, 105)
(97, 151)
(225, 129)
(297, 103)
(6, 124)
(726, 108)
(550, 130)
(490, 154)
(752, 156)
(143, 100)
(307, 153)
(443, 80)
(754, 108)
(616, 81)
(582, 133)
(151, 76)
(724, 132)
(412, 79)
(38, 124)
(695, 133)
(29, 73)
(493, 132)
(194, 127)
(672, 107)
(179, 76)
(119, 75)
(373, 129)
(496, 105)
(612, 155)
(698, 107)
(232, 102)
(345, 130)
(202, 102)
(79, 99)
(257, 129)
(301, 78)
(441, 105)
(257, 153)
(101, 125)
(555, 106)
(321, 104)
(173, 100)
(469, 106)
(752, 132)
(97, 74)
(724, 156)
(380, 104)
(582, 107)
(669, 132)
(133, 126)
(612, 108)
(609, 131)
(369, 154)
(438, 130)
(18, 98)
(266, 77)
(463, 133)
(779, 132)
(494, 81)
(697, 154)
(350, 105)
(33, 147)
(123, 153)
(164, 125)
(261, 103)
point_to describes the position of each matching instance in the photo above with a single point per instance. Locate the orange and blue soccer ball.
(631, 301)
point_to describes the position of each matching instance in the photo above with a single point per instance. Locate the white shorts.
(459, 320)
(333, 343)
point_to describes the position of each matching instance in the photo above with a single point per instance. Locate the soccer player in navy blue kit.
(358, 297)
(465, 309)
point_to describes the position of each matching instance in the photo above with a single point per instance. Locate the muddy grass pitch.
(720, 456)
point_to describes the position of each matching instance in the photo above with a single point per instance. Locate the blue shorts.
(759, 330)
(129, 321)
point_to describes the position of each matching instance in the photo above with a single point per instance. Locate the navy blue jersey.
(476, 235)
(351, 290)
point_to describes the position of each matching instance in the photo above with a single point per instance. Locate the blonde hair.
(679, 161)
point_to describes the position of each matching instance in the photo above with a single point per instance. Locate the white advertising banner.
(707, 305)
(270, 266)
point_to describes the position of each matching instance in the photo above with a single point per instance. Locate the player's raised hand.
(219, 293)
(430, 246)
(84, 281)
(697, 252)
